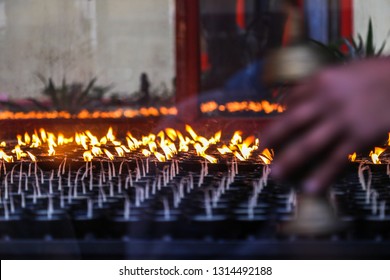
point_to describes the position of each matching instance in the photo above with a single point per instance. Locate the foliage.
(356, 49)
(72, 97)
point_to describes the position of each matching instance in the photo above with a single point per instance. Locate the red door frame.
(346, 18)
(187, 59)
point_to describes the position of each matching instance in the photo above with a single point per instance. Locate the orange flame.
(120, 113)
(19, 153)
(120, 151)
(108, 154)
(245, 106)
(388, 140)
(87, 155)
(267, 156)
(33, 158)
(5, 157)
(96, 151)
(352, 157)
(164, 145)
(375, 155)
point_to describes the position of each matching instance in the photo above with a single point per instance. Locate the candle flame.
(352, 157)
(375, 155)
(32, 157)
(5, 157)
(267, 156)
(108, 154)
(120, 151)
(165, 145)
(87, 155)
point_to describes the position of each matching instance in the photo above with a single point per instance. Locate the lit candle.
(165, 175)
(34, 194)
(29, 169)
(143, 168)
(23, 200)
(59, 169)
(159, 182)
(176, 197)
(25, 182)
(374, 202)
(137, 171)
(83, 186)
(12, 204)
(111, 189)
(102, 172)
(50, 182)
(120, 167)
(42, 177)
(100, 179)
(62, 202)
(127, 182)
(6, 213)
(60, 183)
(382, 210)
(191, 181)
(37, 181)
(366, 184)
(6, 186)
(89, 208)
(222, 184)
(201, 176)
(69, 195)
(126, 208)
(147, 189)
(85, 174)
(49, 207)
(109, 171)
(137, 197)
(76, 179)
(4, 168)
(154, 185)
(90, 181)
(251, 206)
(63, 166)
(177, 167)
(167, 215)
(113, 169)
(130, 179)
(119, 184)
(12, 173)
(207, 205)
(20, 178)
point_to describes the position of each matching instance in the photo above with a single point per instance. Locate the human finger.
(285, 128)
(321, 178)
(304, 152)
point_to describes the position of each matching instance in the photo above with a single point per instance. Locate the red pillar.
(240, 13)
(187, 59)
(346, 20)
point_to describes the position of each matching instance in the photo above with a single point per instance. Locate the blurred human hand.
(330, 115)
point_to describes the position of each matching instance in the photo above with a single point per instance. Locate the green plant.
(356, 49)
(71, 97)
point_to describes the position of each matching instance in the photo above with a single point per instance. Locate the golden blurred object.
(314, 217)
(292, 63)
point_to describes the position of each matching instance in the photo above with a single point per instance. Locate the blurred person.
(144, 89)
(330, 115)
